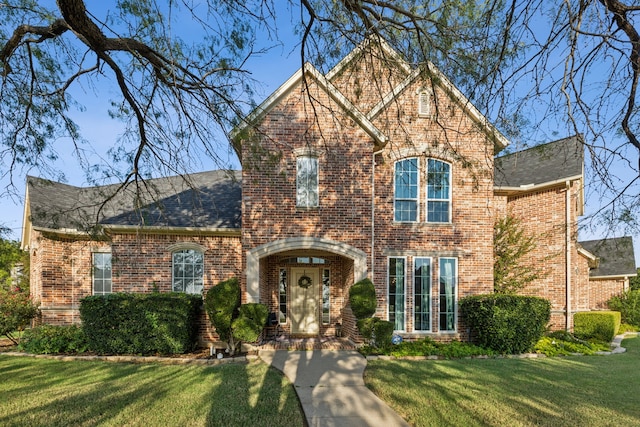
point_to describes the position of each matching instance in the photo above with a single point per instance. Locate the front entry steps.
(283, 342)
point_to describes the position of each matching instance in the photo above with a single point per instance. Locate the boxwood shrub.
(376, 331)
(362, 297)
(598, 325)
(156, 323)
(54, 339)
(507, 324)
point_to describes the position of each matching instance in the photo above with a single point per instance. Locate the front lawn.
(43, 392)
(558, 391)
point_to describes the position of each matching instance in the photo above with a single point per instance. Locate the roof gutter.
(526, 188)
(131, 229)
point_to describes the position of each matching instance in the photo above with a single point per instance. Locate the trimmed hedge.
(507, 324)
(362, 297)
(222, 303)
(599, 325)
(54, 339)
(252, 318)
(121, 323)
(376, 331)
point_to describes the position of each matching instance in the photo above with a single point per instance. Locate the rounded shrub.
(362, 297)
(252, 318)
(507, 324)
(222, 303)
(597, 325)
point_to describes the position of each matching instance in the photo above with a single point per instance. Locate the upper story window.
(101, 273)
(424, 102)
(406, 190)
(307, 182)
(438, 191)
(188, 271)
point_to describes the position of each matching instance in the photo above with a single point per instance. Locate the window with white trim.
(406, 193)
(396, 293)
(101, 273)
(422, 294)
(326, 297)
(188, 271)
(448, 294)
(282, 296)
(424, 103)
(438, 191)
(307, 182)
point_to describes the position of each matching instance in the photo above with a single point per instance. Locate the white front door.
(305, 289)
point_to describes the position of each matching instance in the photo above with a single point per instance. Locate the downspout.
(568, 253)
(373, 212)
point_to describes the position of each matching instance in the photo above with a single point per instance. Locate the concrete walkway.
(331, 388)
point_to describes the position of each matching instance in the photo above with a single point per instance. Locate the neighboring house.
(343, 177)
(612, 264)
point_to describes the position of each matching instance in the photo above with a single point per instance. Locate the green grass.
(562, 391)
(44, 392)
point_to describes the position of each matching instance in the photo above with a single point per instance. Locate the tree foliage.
(10, 256)
(634, 282)
(512, 244)
(16, 312)
(175, 75)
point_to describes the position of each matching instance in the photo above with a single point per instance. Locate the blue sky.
(271, 70)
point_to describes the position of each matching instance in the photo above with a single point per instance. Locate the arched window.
(188, 271)
(406, 186)
(438, 191)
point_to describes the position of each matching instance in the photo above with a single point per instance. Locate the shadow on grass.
(59, 393)
(587, 390)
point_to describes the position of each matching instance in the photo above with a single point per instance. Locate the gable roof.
(364, 119)
(616, 257)
(554, 162)
(206, 200)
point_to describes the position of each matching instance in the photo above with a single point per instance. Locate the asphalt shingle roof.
(207, 199)
(616, 256)
(541, 164)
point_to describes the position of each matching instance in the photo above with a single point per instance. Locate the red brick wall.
(544, 215)
(601, 291)
(61, 271)
(345, 164)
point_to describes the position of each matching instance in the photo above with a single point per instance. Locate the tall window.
(307, 182)
(406, 190)
(438, 191)
(101, 273)
(282, 296)
(188, 271)
(448, 274)
(326, 297)
(424, 103)
(422, 294)
(396, 292)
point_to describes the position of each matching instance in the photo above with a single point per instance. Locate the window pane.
(422, 294)
(307, 182)
(188, 271)
(447, 321)
(282, 315)
(101, 273)
(438, 191)
(326, 297)
(396, 283)
(406, 190)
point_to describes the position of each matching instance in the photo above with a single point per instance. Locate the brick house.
(344, 176)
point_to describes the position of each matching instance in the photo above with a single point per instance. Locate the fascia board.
(25, 238)
(351, 109)
(532, 187)
(464, 102)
